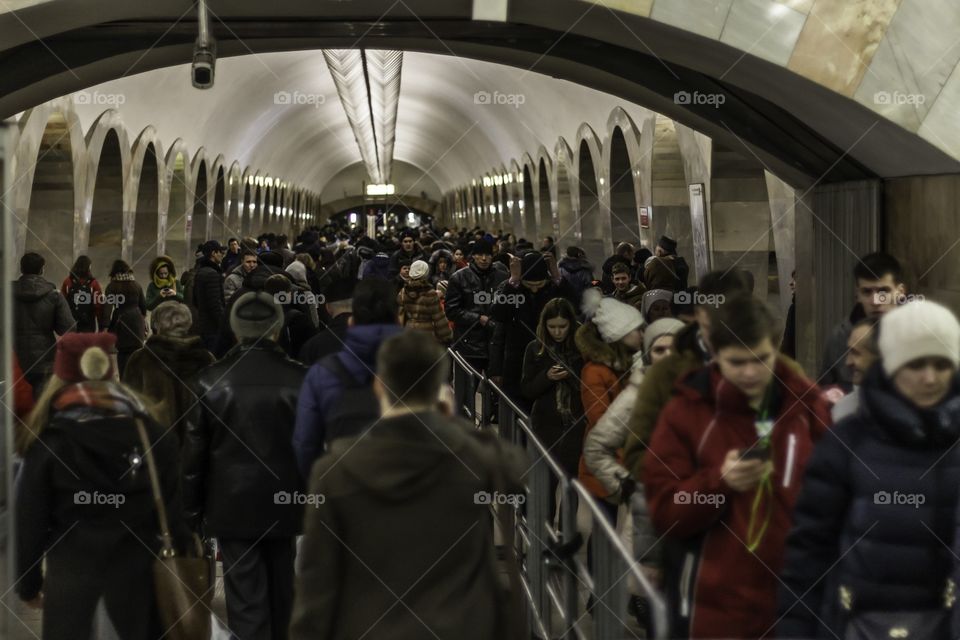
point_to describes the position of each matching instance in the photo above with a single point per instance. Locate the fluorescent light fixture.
(368, 83)
(380, 189)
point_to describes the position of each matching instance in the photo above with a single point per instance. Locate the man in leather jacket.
(240, 479)
(469, 300)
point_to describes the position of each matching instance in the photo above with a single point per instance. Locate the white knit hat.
(918, 329)
(613, 319)
(419, 269)
(658, 328)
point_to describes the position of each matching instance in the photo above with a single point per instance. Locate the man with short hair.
(208, 292)
(723, 472)
(408, 251)
(879, 289)
(39, 312)
(240, 480)
(426, 480)
(233, 256)
(469, 301)
(862, 352)
(336, 399)
(623, 254)
(624, 289)
(234, 279)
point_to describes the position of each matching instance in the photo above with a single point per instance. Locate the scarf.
(122, 276)
(170, 282)
(563, 393)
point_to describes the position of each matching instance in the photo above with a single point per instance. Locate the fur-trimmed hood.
(594, 349)
(159, 260)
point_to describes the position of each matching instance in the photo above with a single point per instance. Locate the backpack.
(81, 303)
(355, 410)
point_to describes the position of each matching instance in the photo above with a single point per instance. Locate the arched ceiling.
(802, 126)
(280, 112)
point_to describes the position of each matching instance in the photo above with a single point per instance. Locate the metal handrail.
(550, 574)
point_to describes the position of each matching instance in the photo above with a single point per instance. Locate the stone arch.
(146, 202)
(545, 212)
(568, 226)
(597, 239)
(199, 199)
(621, 195)
(108, 154)
(49, 169)
(528, 201)
(670, 197)
(179, 202)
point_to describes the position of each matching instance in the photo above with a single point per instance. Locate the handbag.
(182, 583)
(883, 625)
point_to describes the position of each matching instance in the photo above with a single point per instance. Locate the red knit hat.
(72, 348)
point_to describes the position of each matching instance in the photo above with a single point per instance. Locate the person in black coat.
(576, 270)
(409, 250)
(241, 483)
(517, 305)
(87, 527)
(551, 366)
(339, 308)
(208, 292)
(870, 544)
(468, 304)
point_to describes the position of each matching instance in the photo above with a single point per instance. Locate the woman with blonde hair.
(87, 529)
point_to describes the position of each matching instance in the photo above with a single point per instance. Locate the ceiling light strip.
(383, 70)
(346, 68)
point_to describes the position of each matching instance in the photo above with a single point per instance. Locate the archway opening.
(245, 210)
(568, 229)
(528, 207)
(177, 231)
(50, 221)
(670, 195)
(218, 224)
(105, 242)
(544, 206)
(591, 220)
(624, 223)
(199, 217)
(146, 217)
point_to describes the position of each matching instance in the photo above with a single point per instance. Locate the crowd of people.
(281, 391)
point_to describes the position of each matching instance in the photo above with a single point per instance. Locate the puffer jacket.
(579, 273)
(39, 311)
(469, 296)
(377, 267)
(724, 590)
(602, 379)
(875, 518)
(421, 310)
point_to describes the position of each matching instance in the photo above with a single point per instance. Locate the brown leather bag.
(182, 584)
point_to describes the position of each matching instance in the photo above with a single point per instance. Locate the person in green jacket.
(163, 283)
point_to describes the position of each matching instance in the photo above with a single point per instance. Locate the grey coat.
(39, 311)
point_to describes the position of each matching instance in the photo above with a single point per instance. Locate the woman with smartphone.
(551, 381)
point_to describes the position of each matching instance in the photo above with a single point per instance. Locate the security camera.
(204, 51)
(202, 69)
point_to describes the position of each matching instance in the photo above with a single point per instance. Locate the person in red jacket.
(22, 392)
(724, 470)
